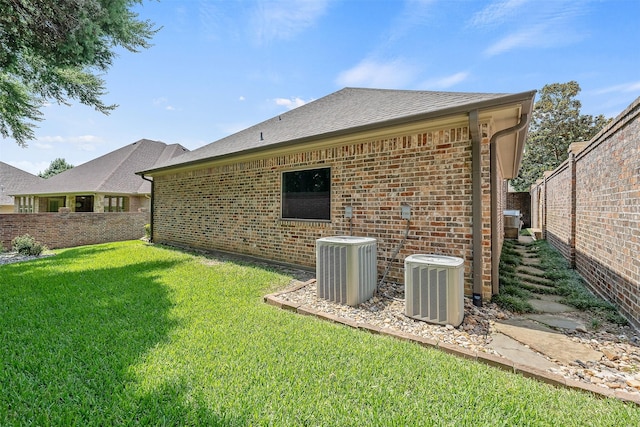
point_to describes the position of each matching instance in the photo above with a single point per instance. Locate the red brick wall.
(62, 230)
(520, 201)
(607, 211)
(236, 207)
(558, 221)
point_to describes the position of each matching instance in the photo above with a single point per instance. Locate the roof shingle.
(349, 109)
(112, 173)
(14, 180)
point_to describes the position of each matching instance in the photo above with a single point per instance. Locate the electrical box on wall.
(348, 211)
(406, 211)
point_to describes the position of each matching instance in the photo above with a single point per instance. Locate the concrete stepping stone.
(533, 271)
(543, 306)
(557, 321)
(552, 344)
(531, 261)
(515, 351)
(539, 289)
(534, 279)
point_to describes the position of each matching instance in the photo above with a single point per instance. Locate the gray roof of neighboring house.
(345, 111)
(13, 180)
(112, 173)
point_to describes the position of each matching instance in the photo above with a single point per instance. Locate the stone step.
(532, 271)
(557, 321)
(548, 342)
(543, 306)
(540, 289)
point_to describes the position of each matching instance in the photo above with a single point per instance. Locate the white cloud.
(370, 73)
(242, 98)
(290, 103)
(446, 81)
(163, 103)
(283, 20)
(625, 87)
(80, 142)
(528, 37)
(496, 13)
(415, 13)
(553, 33)
(32, 167)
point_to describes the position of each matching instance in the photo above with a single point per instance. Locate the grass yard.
(132, 334)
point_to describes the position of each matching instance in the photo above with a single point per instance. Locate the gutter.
(495, 239)
(476, 205)
(150, 207)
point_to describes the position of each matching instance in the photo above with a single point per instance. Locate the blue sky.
(217, 67)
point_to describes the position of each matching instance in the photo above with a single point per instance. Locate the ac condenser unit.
(346, 268)
(434, 288)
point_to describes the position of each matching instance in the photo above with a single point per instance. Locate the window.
(55, 203)
(306, 194)
(25, 204)
(115, 203)
(84, 203)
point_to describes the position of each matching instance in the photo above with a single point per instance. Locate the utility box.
(512, 224)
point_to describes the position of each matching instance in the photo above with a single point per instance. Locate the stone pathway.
(555, 331)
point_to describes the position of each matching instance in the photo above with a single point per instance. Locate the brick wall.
(520, 201)
(558, 209)
(236, 207)
(62, 230)
(606, 211)
(537, 205)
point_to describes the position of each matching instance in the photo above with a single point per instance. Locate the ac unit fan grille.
(430, 290)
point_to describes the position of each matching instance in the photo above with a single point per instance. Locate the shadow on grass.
(68, 339)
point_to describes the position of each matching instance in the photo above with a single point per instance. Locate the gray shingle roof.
(14, 180)
(347, 110)
(112, 173)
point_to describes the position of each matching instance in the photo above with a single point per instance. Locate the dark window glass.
(306, 194)
(84, 203)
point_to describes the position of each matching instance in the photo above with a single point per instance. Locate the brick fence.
(520, 201)
(589, 209)
(63, 230)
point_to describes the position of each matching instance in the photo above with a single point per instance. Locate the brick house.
(271, 190)
(13, 180)
(105, 184)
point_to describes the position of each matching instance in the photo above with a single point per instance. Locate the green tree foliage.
(58, 165)
(556, 124)
(56, 50)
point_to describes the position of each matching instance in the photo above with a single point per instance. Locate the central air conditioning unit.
(346, 268)
(434, 288)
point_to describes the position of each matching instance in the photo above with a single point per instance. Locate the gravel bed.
(11, 257)
(619, 368)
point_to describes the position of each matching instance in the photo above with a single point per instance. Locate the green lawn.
(128, 334)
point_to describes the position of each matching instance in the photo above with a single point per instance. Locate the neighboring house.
(13, 180)
(105, 184)
(347, 164)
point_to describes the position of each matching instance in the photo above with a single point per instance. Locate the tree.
(56, 50)
(556, 123)
(58, 165)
